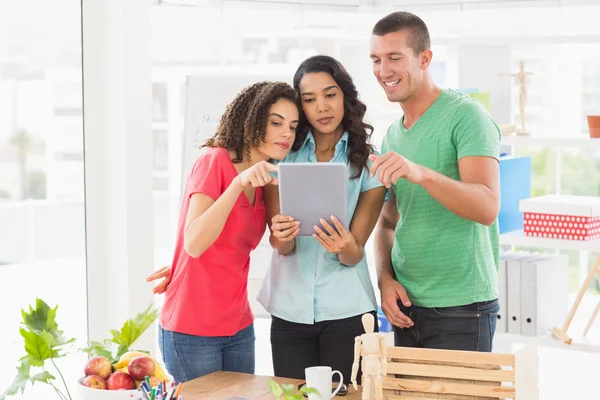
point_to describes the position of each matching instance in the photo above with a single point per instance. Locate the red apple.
(94, 382)
(99, 366)
(140, 367)
(120, 380)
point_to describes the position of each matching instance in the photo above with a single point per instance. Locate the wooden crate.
(417, 374)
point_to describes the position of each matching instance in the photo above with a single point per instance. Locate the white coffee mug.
(321, 378)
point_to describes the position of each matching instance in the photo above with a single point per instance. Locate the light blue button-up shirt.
(310, 284)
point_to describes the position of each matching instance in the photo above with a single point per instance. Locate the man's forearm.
(472, 201)
(384, 241)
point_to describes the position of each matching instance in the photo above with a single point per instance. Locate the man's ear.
(426, 56)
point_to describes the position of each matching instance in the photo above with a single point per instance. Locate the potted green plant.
(288, 391)
(44, 343)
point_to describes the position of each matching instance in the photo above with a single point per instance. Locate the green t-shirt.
(441, 259)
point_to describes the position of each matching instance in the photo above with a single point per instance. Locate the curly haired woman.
(318, 287)
(206, 324)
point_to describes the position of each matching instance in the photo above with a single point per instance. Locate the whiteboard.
(207, 95)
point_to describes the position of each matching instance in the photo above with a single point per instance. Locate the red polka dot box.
(561, 217)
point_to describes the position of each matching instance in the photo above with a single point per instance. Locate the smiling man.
(437, 244)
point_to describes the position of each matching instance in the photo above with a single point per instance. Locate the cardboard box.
(562, 217)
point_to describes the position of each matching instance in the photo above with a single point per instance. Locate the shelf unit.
(559, 143)
(581, 343)
(517, 238)
(581, 142)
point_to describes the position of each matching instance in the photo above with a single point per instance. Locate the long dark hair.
(354, 111)
(243, 125)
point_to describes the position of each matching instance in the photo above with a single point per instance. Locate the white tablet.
(311, 191)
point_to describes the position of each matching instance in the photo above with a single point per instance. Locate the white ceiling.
(398, 4)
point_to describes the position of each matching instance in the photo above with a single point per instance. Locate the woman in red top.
(206, 324)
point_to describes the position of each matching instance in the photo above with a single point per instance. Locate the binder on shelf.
(513, 291)
(544, 293)
(502, 319)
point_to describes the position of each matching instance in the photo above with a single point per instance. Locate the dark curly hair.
(243, 125)
(359, 148)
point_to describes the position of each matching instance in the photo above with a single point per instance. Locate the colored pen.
(178, 390)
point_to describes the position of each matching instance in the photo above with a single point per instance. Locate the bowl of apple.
(119, 381)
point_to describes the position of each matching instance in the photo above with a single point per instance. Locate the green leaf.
(124, 338)
(55, 341)
(40, 319)
(59, 339)
(146, 318)
(43, 341)
(123, 348)
(116, 335)
(288, 388)
(132, 329)
(275, 388)
(44, 377)
(47, 337)
(98, 349)
(20, 381)
(306, 390)
(37, 348)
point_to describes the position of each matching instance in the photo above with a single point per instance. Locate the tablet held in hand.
(311, 191)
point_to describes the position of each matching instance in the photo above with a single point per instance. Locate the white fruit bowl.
(86, 393)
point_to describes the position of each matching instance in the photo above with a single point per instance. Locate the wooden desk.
(221, 385)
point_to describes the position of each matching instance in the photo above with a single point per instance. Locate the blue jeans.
(470, 327)
(188, 357)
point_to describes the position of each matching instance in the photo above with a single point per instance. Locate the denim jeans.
(188, 357)
(470, 327)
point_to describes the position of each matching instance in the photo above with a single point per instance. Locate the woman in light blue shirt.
(317, 288)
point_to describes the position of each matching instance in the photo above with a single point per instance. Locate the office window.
(42, 219)
(159, 102)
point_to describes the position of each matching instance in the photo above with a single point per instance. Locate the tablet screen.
(311, 191)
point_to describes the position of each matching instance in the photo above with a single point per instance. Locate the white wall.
(118, 153)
